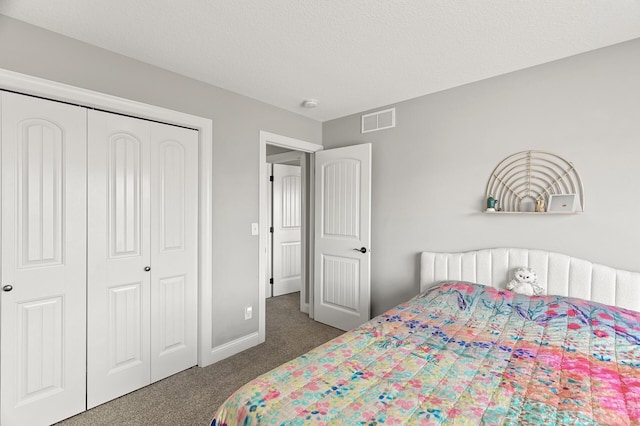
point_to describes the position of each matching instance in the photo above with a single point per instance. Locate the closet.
(99, 256)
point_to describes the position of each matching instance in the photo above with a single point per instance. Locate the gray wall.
(237, 121)
(430, 172)
(272, 150)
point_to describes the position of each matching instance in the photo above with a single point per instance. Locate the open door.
(342, 290)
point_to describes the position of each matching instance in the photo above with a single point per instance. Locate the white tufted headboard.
(559, 274)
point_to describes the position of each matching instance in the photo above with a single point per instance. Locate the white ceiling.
(351, 55)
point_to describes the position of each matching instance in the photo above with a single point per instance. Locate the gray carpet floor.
(192, 396)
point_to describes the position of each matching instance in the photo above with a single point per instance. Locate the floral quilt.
(460, 354)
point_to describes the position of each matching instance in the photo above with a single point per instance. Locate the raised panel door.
(287, 222)
(343, 236)
(174, 249)
(43, 317)
(119, 287)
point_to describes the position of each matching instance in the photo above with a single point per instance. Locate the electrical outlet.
(248, 312)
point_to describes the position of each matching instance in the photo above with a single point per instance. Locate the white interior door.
(143, 203)
(343, 236)
(174, 249)
(119, 242)
(287, 225)
(43, 315)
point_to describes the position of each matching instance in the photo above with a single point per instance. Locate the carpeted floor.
(192, 396)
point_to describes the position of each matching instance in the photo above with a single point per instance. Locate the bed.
(467, 351)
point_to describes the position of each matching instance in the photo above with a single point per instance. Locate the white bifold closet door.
(142, 253)
(43, 310)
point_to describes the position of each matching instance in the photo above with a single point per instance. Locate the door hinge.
(271, 229)
(270, 178)
(270, 280)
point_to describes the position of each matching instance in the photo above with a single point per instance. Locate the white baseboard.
(233, 347)
(304, 308)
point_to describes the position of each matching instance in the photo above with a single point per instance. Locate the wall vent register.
(379, 120)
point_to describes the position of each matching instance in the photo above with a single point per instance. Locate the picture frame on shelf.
(563, 203)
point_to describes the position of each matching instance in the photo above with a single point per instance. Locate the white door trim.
(22, 83)
(267, 138)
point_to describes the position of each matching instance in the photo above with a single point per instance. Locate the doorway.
(286, 253)
(343, 188)
(286, 196)
(282, 149)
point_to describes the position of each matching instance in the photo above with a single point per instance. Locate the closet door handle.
(147, 268)
(7, 287)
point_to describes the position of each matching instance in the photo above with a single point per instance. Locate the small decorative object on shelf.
(527, 181)
(563, 203)
(491, 204)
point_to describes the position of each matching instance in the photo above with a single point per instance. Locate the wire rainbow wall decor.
(522, 179)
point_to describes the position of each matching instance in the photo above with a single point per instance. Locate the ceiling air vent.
(379, 120)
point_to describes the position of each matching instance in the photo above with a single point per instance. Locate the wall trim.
(235, 346)
(26, 84)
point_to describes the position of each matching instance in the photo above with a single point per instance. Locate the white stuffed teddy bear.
(525, 281)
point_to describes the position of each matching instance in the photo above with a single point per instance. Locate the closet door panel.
(119, 292)
(43, 316)
(174, 246)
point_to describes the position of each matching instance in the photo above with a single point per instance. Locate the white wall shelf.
(525, 179)
(534, 213)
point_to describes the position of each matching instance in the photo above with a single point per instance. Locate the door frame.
(35, 86)
(267, 138)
